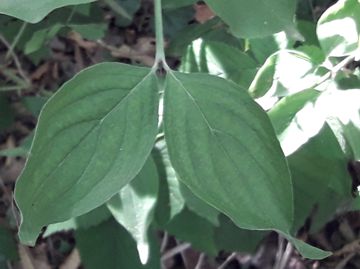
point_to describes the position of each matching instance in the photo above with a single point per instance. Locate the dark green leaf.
(109, 245)
(84, 133)
(229, 237)
(8, 248)
(321, 180)
(189, 227)
(255, 18)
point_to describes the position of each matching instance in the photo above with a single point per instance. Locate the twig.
(15, 41)
(164, 242)
(118, 9)
(200, 261)
(227, 261)
(16, 60)
(174, 251)
(344, 261)
(285, 258)
(335, 69)
(279, 252)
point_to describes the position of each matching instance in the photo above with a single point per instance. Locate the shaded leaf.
(255, 18)
(109, 245)
(34, 11)
(89, 119)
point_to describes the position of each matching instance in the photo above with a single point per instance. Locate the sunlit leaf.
(339, 28)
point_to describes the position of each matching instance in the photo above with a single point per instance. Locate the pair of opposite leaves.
(95, 134)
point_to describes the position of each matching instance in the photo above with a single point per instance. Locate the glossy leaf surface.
(85, 149)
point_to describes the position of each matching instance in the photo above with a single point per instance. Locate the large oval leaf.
(224, 148)
(93, 137)
(34, 10)
(255, 18)
(222, 145)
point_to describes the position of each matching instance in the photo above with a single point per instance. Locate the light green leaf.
(34, 11)
(255, 18)
(133, 207)
(221, 60)
(93, 218)
(277, 79)
(109, 245)
(171, 201)
(296, 120)
(84, 149)
(342, 109)
(338, 29)
(227, 153)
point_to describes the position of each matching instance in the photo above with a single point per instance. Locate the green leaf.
(172, 4)
(338, 29)
(229, 237)
(221, 60)
(255, 18)
(84, 149)
(189, 227)
(199, 207)
(6, 113)
(21, 151)
(276, 78)
(220, 143)
(171, 201)
(34, 11)
(93, 31)
(88, 220)
(133, 207)
(321, 179)
(223, 151)
(8, 248)
(109, 245)
(296, 120)
(342, 110)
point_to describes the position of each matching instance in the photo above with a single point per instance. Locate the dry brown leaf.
(30, 260)
(203, 13)
(40, 71)
(73, 261)
(82, 43)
